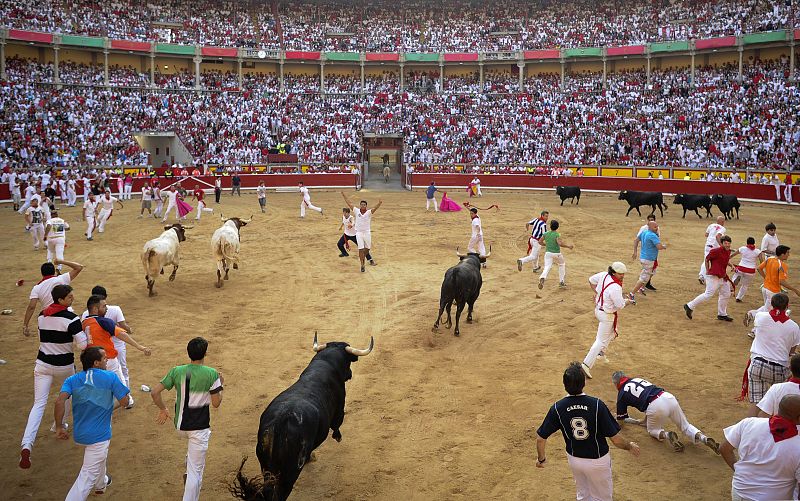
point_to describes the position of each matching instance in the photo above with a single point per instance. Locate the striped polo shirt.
(57, 329)
(539, 227)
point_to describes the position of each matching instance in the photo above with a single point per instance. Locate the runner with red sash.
(609, 299)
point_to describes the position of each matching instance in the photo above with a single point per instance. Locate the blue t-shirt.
(430, 191)
(650, 242)
(93, 393)
(636, 392)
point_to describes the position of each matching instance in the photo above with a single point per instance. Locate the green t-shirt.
(194, 385)
(551, 242)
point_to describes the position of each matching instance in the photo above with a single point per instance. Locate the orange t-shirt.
(775, 270)
(97, 336)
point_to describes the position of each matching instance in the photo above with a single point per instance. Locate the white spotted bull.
(163, 251)
(225, 245)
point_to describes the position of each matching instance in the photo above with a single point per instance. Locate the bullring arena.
(622, 99)
(428, 415)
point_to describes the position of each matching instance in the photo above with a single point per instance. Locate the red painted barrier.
(131, 45)
(741, 190)
(382, 56)
(219, 51)
(284, 158)
(629, 50)
(713, 43)
(293, 54)
(461, 57)
(30, 36)
(542, 54)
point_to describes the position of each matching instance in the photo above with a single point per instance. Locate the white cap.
(619, 267)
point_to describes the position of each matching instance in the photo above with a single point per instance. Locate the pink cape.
(183, 207)
(448, 205)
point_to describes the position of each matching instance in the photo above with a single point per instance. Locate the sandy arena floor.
(429, 416)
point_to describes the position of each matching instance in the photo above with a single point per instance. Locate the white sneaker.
(586, 370)
(748, 319)
(130, 402)
(53, 427)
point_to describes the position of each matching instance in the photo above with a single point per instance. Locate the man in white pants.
(307, 202)
(114, 313)
(199, 195)
(363, 227)
(55, 237)
(714, 233)
(716, 279)
(430, 197)
(107, 204)
(59, 328)
(192, 417)
(87, 186)
(93, 391)
(537, 227)
(34, 218)
(659, 407)
(477, 183)
(476, 242)
(608, 299)
(158, 199)
(72, 194)
(172, 203)
(746, 269)
(585, 423)
(89, 214)
(30, 191)
(552, 243)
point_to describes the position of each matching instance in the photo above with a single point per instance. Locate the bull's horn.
(488, 253)
(459, 254)
(188, 227)
(247, 221)
(222, 217)
(318, 347)
(361, 353)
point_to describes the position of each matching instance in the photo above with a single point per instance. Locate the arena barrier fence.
(249, 182)
(756, 192)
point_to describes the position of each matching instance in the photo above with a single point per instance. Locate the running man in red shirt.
(716, 278)
(199, 195)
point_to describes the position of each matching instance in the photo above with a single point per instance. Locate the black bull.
(462, 284)
(636, 199)
(297, 421)
(571, 192)
(694, 202)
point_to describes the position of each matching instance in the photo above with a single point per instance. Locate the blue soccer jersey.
(584, 421)
(636, 392)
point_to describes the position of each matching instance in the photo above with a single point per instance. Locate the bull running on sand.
(462, 284)
(163, 251)
(297, 421)
(225, 245)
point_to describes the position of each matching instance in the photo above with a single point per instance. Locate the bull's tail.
(150, 264)
(249, 489)
(226, 254)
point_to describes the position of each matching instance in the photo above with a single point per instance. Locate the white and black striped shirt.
(56, 334)
(539, 227)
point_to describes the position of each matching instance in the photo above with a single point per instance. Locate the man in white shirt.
(770, 241)
(476, 243)
(477, 183)
(607, 286)
(89, 214)
(158, 199)
(307, 202)
(363, 227)
(34, 217)
(107, 204)
(55, 237)
(30, 191)
(768, 406)
(72, 194)
(16, 196)
(147, 201)
(746, 269)
(42, 292)
(172, 203)
(714, 233)
(776, 338)
(769, 454)
(261, 192)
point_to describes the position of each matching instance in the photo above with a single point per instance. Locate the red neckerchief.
(781, 428)
(46, 277)
(751, 247)
(794, 380)
(778, 315)
(622, 382)
(53, 309)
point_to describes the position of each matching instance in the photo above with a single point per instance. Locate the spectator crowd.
(719, 122)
